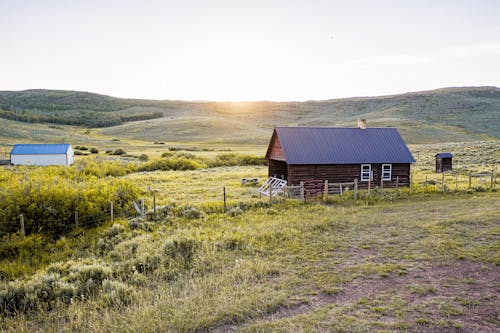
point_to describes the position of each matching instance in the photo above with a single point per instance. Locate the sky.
(235, 50)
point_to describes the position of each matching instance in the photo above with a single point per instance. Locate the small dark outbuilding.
(444, 162)
(339, 155)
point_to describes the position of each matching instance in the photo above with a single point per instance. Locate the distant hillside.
(449, 114)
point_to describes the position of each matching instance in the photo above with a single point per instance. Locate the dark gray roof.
(330, 145)
(444, 155)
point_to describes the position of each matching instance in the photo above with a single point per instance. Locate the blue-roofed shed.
(444, 162)
(42, 154)
(339, 155)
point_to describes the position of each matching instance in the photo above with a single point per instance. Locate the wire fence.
(26, 224)
(58, 225)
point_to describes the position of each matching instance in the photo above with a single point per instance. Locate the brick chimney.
(362, 123)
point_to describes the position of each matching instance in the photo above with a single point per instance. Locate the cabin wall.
(344, 173)
(38, 159)
(443, 164)
(278, 169)
(277, 152)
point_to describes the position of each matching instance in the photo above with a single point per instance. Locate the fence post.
(369, 185)
(442, 182)
(111, 211)
(425, 183)
(21, 220)
(397, 182)
(325, 192)
(491, 182)
(382, 185)
(355, 188)
(456, 182)
(302, 194)
(154, 206)
(271, 192)
(224, 194)
(142, 207)
(470, 180)
(76, 219)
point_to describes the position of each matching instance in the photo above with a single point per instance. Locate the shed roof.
(40, 149)
(444, 155)
(333, 145)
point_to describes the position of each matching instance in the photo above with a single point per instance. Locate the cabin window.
(366, 172)
(386, 171)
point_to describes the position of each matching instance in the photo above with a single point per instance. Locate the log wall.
(343, 173)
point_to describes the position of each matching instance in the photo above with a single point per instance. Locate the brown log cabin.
(340, 155)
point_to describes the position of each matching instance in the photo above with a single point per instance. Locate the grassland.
(426, 262)
(444, 115)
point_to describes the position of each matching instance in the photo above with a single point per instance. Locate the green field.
(419, 259)
(394, 262)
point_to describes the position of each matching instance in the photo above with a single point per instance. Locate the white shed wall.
(37, 159)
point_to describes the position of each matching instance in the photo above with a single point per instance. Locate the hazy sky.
(248, 50)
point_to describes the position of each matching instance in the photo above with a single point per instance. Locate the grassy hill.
(449, 114)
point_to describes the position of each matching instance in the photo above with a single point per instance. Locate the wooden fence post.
(154, 206)
(224, 194)
(325, 192)
(491, 182)
(21, 220)
(470, 180)
(76, 219)
(442, 182)
(142, 207)
(382, 185)
(302, 193)
(425, 183)
(397, 182)
(270, 192)
(355, 188)
(111, 212)
(369, 185)
(456, 182)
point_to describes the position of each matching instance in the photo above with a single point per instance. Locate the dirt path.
(473, 289)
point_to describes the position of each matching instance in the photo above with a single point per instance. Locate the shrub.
(232, 159)
(94, 150)
(192, 213)
(143, 157)
(116, 293)
(170, 164)
(119, 151)
(182, 250)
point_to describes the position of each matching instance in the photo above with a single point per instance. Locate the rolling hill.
(448, 114)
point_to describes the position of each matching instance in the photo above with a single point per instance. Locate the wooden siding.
(340, 173)
(278, 169)
(277, 152)
(443, 164)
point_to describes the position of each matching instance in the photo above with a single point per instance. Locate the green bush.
(94, 150)
(119, 151)
(170, 164)
(50, 196)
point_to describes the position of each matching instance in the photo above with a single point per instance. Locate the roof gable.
(40, 149)
(330, 145)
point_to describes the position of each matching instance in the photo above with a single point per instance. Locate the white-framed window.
(386, 171)
(366, 172)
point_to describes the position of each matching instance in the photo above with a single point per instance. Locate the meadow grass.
(288, 269)
(393, 262)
